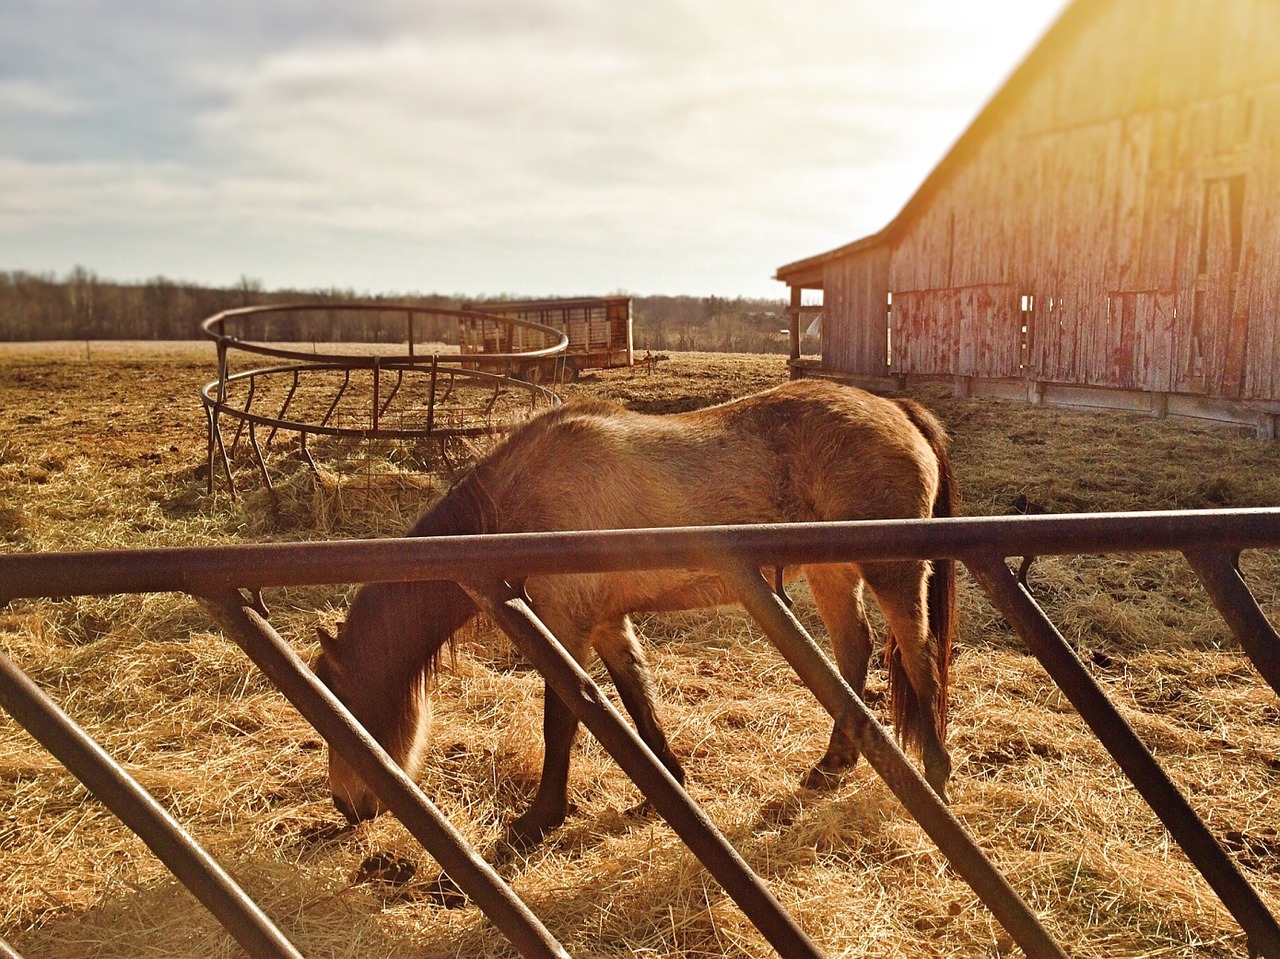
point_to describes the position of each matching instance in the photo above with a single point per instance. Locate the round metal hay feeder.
(386, 372)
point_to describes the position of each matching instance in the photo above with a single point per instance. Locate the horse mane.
(466, 509)
(941, 590)
(396, 632)
(442, 606)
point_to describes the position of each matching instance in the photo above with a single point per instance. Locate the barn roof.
(1056, 41)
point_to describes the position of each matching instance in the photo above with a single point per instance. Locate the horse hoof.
(521, 839)
(938, 773)
(938, 784)
(386, 868)
(822, 779)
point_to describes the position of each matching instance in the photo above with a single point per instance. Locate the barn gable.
(1107, 231)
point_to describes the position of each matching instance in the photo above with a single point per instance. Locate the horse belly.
(670, 590)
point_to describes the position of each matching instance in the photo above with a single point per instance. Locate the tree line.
(83, 306)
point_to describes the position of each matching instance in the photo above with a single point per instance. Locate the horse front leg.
(551, 804)
(549, 807)
(617, 645)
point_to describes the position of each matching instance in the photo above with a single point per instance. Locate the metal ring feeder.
(373, 391)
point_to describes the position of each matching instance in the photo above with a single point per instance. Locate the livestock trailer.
(599, 331)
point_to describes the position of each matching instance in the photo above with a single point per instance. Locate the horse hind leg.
(837, 592)
(916, 675)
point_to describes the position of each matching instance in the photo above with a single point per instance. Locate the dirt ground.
(104, 446)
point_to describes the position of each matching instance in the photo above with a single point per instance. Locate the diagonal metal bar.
(400, 794)
(138, 810)
(8, 952)
(820, 675)
(1221, 579)
(584, 698)
(1024, 614)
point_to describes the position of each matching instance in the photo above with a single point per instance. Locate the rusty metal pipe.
(7, 951)
(399, 793)
(215, 327)
(584, 698)
(508, 555)
(136, 808)
(1024, 614)
(1221, 579)
(820, 675)
(284, 407)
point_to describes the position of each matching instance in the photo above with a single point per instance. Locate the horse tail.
(940, 594)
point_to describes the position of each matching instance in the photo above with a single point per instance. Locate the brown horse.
(805, 451)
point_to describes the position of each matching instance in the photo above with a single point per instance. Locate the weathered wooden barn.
(1105, 233)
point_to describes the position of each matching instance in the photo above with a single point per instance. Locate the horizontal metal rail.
(254, 566)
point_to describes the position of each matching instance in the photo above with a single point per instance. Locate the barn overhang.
(810, 273)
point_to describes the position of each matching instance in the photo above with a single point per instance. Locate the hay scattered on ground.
(109, 452)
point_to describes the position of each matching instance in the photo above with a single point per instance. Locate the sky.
(480, 147)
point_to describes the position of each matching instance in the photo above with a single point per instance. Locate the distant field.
(71, 351)
(166, 350)
(104, 446)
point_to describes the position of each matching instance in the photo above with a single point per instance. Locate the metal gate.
(229, 581)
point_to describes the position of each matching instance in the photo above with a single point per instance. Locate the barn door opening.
(1220, 330)
(1028, 306)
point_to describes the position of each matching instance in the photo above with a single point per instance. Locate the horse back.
(805, 451)
(841, 453)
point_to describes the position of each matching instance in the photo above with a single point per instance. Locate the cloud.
(630, 143)
(29, 98)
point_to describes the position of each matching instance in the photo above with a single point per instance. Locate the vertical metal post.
(208, 412)
(248, 402)
(1016, 604)
(222, 452)
(257, 453)
(1221, 578)
(811, 664)
(588, 703)
(136, 808)
(431, 395)
(222, 367)
(284, 407)
(325, 712)
(797, 296)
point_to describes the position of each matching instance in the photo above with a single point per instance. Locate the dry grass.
(109, 453)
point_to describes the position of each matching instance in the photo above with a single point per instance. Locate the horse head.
(380, 665)
(390, 703)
